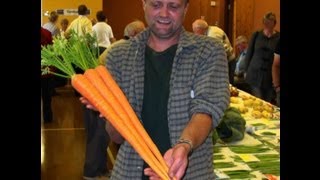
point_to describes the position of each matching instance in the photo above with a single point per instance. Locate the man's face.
(164, 17)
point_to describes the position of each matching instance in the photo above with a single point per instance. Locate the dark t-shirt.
(158, 67)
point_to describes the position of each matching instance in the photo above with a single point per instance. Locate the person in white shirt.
(103, 31)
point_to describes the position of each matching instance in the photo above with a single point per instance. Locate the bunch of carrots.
(97, 85)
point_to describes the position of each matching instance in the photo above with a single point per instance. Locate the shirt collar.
(184, 41)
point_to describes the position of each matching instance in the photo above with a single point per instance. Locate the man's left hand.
(177, 161)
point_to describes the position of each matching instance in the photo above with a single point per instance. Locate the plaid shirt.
(198, 84)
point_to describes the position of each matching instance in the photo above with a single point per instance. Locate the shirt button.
(139, 167)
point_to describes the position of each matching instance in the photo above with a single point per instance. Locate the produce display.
(247, 159)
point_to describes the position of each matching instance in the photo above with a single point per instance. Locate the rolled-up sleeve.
(211, 84)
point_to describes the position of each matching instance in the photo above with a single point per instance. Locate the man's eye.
(174, 7)
(155, 5)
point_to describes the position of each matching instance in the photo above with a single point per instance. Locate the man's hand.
(115, 136)
(177, 161)
(86, 102)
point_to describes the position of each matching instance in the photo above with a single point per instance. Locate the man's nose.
(164, 11)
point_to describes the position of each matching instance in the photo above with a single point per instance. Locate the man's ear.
(143, 4)
(186, 9)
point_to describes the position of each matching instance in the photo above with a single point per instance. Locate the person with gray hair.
(201, 27)
(51, 25)
(133, 28)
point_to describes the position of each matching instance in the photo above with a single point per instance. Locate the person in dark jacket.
(259, 59)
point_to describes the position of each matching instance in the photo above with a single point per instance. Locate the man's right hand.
(113, 133)
(89, 105)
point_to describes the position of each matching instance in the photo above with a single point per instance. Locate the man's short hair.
(82, 10)
(101, 17)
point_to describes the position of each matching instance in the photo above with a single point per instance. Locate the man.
(103, 32)
(81, 24)
(177, 83)
(201, 27)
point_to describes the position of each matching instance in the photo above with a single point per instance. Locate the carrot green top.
(64, 54)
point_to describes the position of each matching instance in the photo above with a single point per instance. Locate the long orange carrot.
(87, 90)
(93, 76)
(117, 92)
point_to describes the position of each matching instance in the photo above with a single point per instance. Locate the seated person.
(239, 72)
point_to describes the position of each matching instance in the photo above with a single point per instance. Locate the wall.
(249, 13)
(52, 5)
(244, 18)
(120, 13)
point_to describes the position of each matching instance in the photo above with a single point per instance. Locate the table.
(257, 155)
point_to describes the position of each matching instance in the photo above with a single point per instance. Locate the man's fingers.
(168, 157)
(175, 166)
(152, 175)
(83, 100)
(180, 171)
